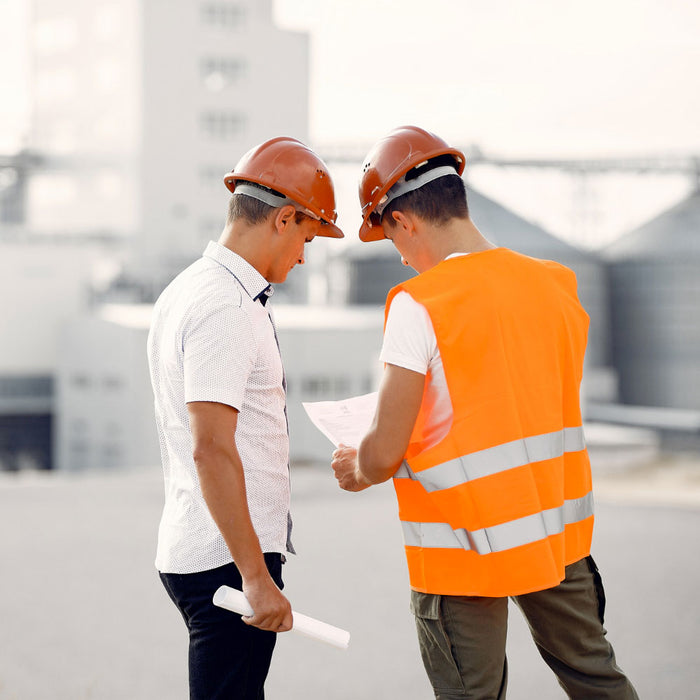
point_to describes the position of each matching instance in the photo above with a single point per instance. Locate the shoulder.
(563, 274)
(540, 266)
(404, 309)
(215, 302)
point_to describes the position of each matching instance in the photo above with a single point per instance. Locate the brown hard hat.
(287, 166)
(391, 158)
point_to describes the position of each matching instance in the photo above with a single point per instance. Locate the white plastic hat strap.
(266, 196)
(403, 186)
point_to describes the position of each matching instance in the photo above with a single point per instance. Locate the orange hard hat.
(386, 164)
(292, 169)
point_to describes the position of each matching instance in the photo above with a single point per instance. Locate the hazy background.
(580, 123)
(542, 79)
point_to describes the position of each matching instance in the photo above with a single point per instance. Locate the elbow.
(377, 465)
(206, 455)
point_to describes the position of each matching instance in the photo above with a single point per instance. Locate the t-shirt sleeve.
(219, 354)
(409, 338)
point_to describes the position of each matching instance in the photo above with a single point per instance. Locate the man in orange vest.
(478, 422)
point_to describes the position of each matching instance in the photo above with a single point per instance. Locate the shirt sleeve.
(409, 338)
(219, 355)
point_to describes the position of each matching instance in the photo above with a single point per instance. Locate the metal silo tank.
(373, 269)
(655, 302)
(503, 227)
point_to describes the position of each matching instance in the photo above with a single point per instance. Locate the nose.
(300, 260)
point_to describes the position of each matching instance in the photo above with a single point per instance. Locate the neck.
(457, 236)
(250, 242)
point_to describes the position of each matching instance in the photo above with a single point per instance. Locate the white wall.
(328, 354)
(43, 282)
(104, 404)
(85, 75)
(124, 95)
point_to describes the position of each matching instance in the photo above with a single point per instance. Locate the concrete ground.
(83, 614)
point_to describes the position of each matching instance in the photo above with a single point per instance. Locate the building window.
(112, 454)
(113, 383)
(56, 85)
(78, 448)
(222, 125)
(107, 23)
(324, 387)
(227, 15)
(218, 73)
(26, 386)
(81, 381)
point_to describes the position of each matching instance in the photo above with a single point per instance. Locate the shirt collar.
(249, 278)
(456, 255)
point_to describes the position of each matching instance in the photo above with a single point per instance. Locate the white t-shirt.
(210, 340)
(410, 342)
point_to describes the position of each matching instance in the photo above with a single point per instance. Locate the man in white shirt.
(220, 409)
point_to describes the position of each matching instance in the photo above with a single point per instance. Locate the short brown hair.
(254, 211)
(437, 201)
(241, 206)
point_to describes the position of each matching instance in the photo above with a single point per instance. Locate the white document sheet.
(346, 421)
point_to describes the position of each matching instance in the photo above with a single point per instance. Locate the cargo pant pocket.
(436, 647)
(599, 590)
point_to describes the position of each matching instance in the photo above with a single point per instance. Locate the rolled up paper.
(235, 601)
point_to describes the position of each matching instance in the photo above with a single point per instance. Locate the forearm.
(222, 482)
(376, 463)
(383, 448)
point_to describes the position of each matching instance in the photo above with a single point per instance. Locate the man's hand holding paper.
(345, 468)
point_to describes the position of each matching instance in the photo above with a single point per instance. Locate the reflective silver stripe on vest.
(498, 538)
(496, 459)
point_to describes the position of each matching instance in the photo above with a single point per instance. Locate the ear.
(404, 221)
(283, 217)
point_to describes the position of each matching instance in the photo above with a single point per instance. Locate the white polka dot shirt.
(211, 339)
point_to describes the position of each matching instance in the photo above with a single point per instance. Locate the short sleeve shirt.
(410, 342)
(211, 339)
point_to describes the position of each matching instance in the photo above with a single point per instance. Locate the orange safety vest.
(503, 503)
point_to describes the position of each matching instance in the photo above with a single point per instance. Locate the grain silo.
(655, 309)
(375, 267)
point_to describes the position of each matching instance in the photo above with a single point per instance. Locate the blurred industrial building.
(120, 187)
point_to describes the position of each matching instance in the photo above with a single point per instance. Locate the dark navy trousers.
(228, 660)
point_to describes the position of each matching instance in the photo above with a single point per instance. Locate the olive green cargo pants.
(463, 639)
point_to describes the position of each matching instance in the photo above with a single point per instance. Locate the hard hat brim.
(371, 233)
(329, 230)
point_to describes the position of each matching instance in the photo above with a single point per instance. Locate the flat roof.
(287, 316)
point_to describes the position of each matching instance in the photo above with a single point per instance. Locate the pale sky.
(540, 78)
(516, 77)
(543, 77)
(13, 74)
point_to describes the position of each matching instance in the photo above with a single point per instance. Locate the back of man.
(512, 470)
(479, 424)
